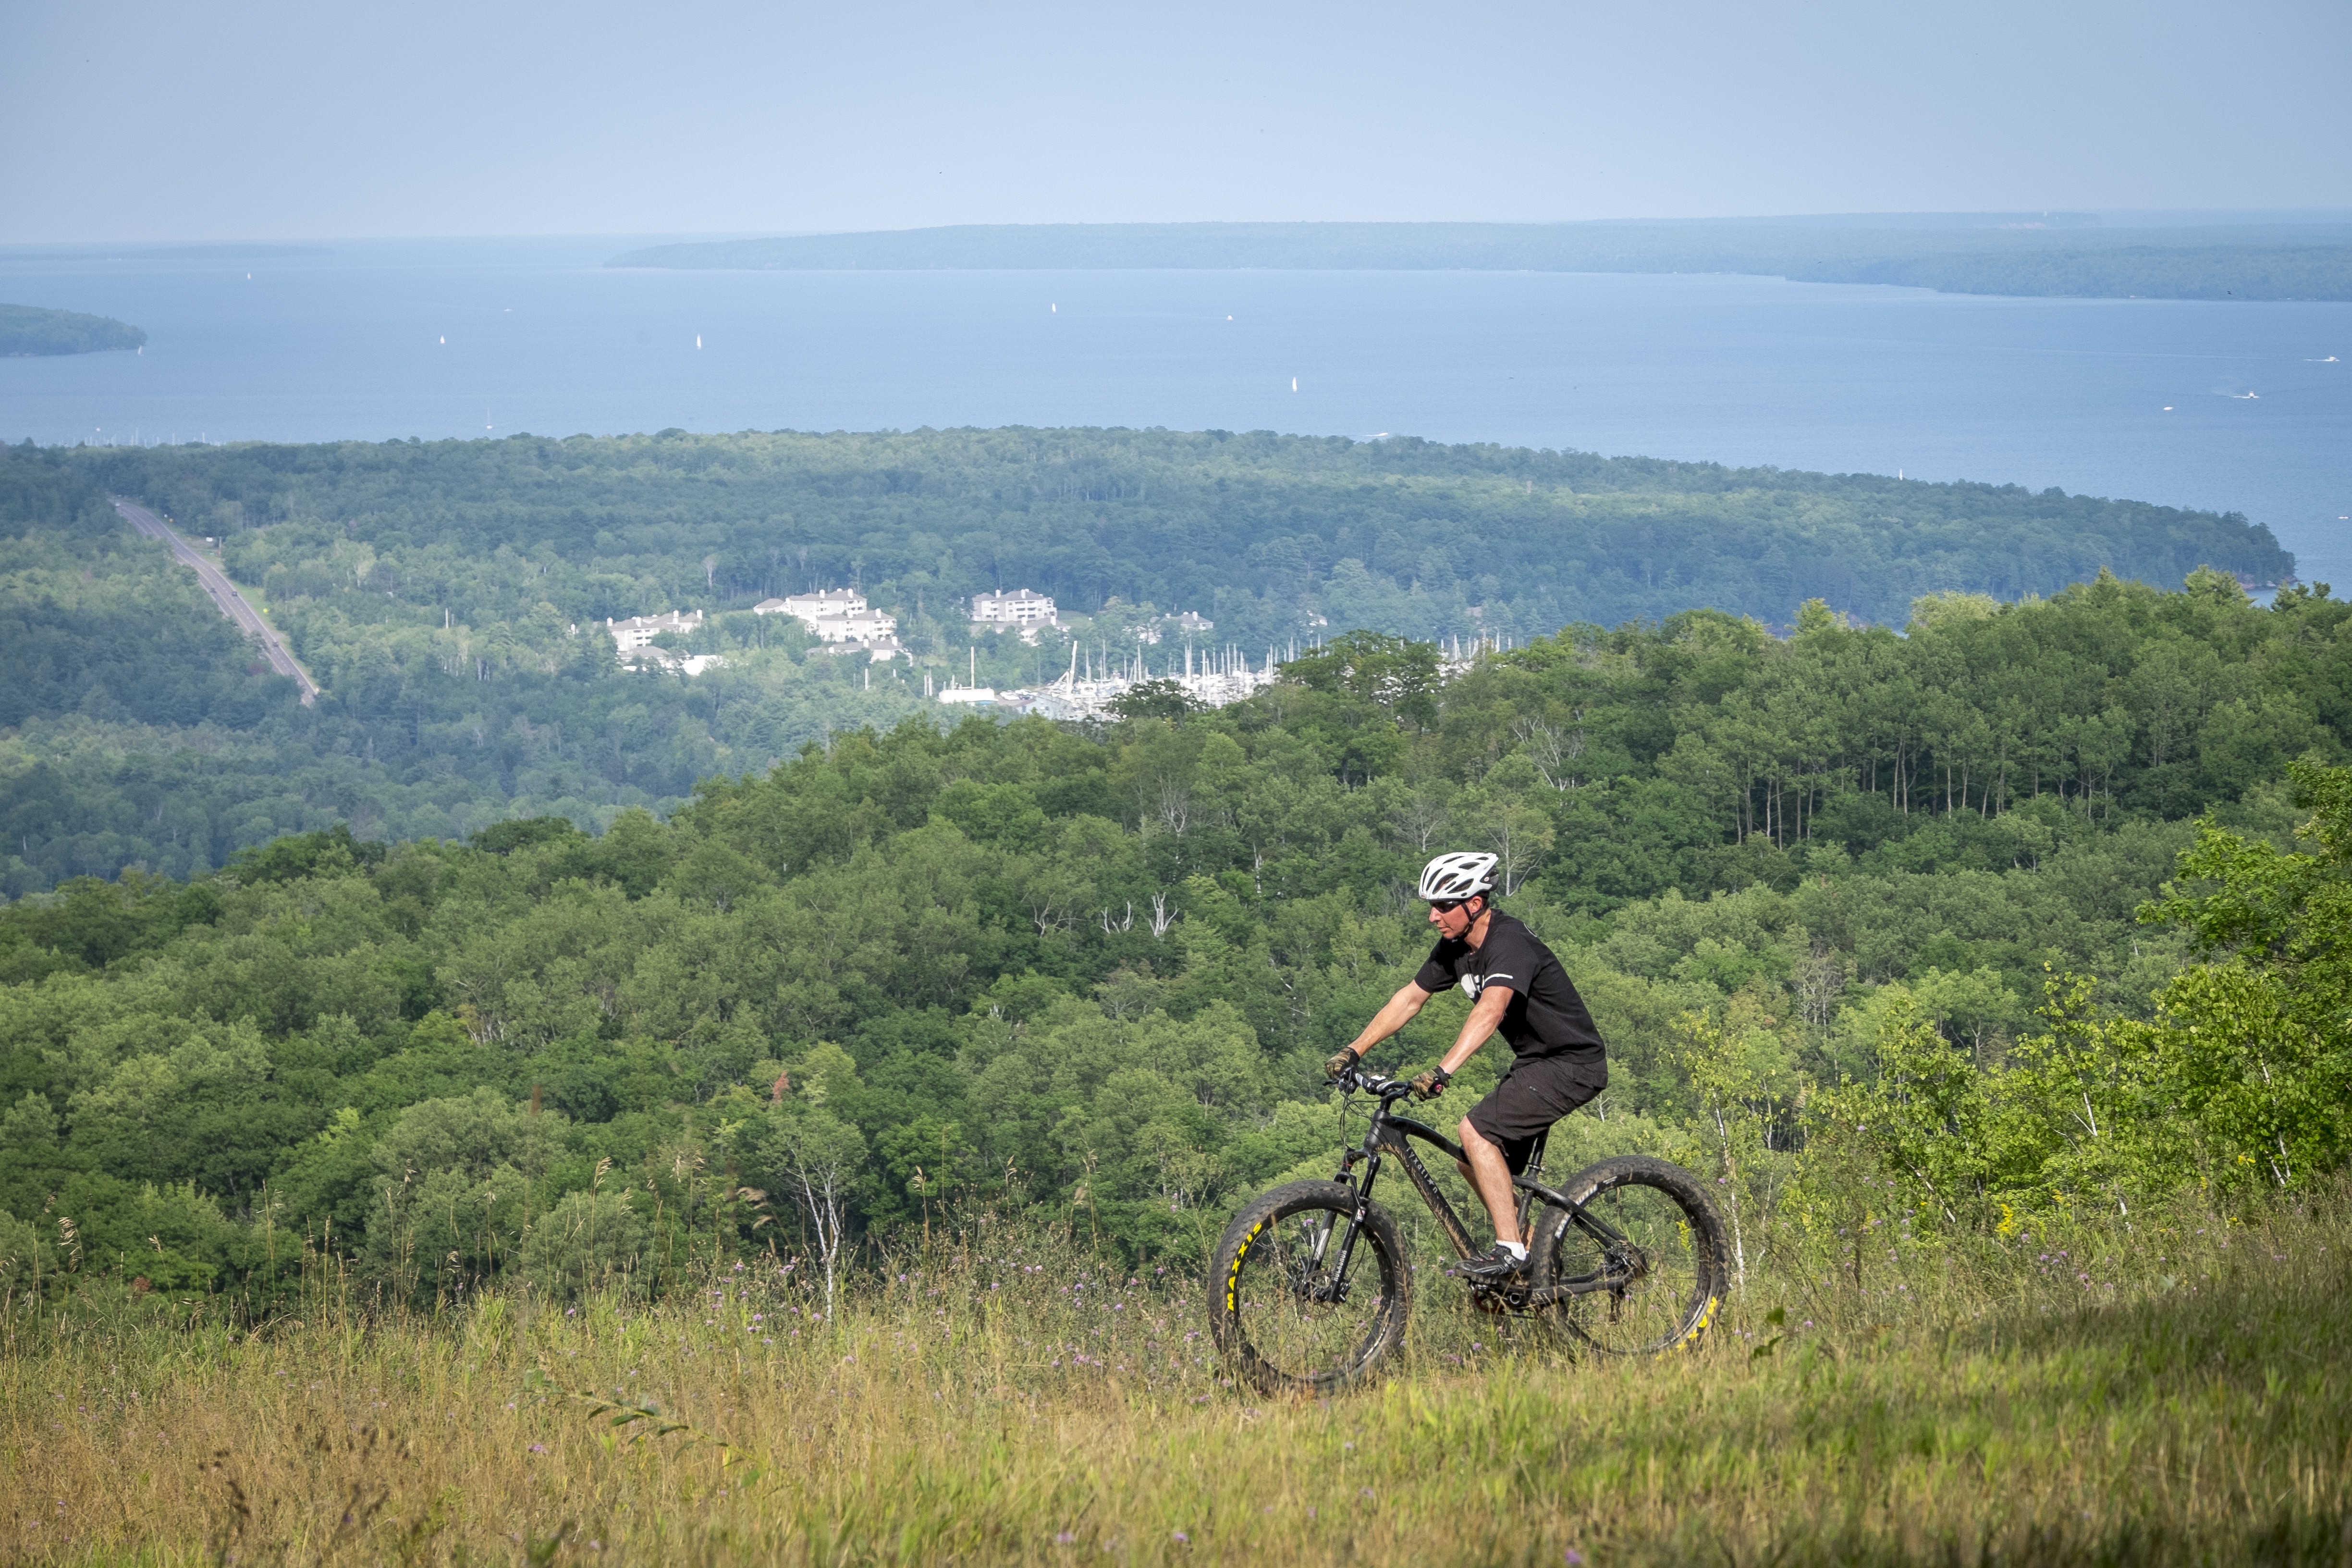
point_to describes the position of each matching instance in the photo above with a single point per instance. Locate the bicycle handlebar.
(1389, 1088)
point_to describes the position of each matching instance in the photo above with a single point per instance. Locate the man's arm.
(1399, 1010)
(1483, 1020)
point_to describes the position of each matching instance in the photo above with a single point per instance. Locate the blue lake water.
(2230, 406)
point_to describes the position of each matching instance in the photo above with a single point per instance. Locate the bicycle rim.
(1656, 1290)
(1296, 1324)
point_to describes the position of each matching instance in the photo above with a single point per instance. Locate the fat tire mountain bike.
(1311, 1288)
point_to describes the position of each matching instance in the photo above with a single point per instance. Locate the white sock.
(1518, 1249)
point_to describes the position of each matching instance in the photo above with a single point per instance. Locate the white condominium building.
(1020, 607)
(838, 616)
(815, 607)
(859, 626)
(639, 631)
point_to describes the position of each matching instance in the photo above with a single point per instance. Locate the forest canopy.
(495, 919)
(1845, 897)
(1261, 532)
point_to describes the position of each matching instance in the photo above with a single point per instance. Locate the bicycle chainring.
(1502, 1300)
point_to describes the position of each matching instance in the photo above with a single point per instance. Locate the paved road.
(224, 592)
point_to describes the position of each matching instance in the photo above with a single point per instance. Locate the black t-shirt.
(1546, 1018)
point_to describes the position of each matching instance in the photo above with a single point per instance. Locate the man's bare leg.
(1489, 1176)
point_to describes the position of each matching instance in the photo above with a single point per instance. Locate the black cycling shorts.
(1533, 1095)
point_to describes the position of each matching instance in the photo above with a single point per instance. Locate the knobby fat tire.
(1253, 1249)
(1695, 1244)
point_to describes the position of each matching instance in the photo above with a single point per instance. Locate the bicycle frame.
(1388, 1137)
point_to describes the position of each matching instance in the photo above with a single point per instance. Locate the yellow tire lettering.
(1233, 1275)
(1705, 1317)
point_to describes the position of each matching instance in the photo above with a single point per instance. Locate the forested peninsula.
(450, 599)
(2017, 254)
(30, 329)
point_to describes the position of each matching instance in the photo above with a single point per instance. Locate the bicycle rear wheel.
(1656, 1290)
(1280, 1309)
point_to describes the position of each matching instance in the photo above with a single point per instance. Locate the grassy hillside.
(2082, 1397)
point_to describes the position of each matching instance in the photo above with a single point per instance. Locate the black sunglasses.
(1447, 905)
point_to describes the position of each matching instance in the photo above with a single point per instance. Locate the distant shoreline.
(2047, 256)
(30, 330)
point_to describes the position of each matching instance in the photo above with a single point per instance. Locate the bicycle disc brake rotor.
(1625, 1267)
(1310, 1275)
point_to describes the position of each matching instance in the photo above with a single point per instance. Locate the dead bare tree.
(1553, 751)
(821, 1160)
(1819, 978)
(1421, 820)
(1175, 806)
(1519, 836)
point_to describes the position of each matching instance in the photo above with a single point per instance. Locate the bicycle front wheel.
(1656, 1285)
(1288, 1309)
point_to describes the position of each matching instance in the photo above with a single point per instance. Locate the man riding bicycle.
(1518, 988)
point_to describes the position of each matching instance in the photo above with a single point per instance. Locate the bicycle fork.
(1338, 1274)
(1373, 1154)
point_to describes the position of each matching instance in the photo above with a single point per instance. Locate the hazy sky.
(141, 119)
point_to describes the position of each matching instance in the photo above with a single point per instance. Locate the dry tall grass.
(2169, 1394)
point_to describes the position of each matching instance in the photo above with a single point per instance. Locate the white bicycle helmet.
(1457, 876)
